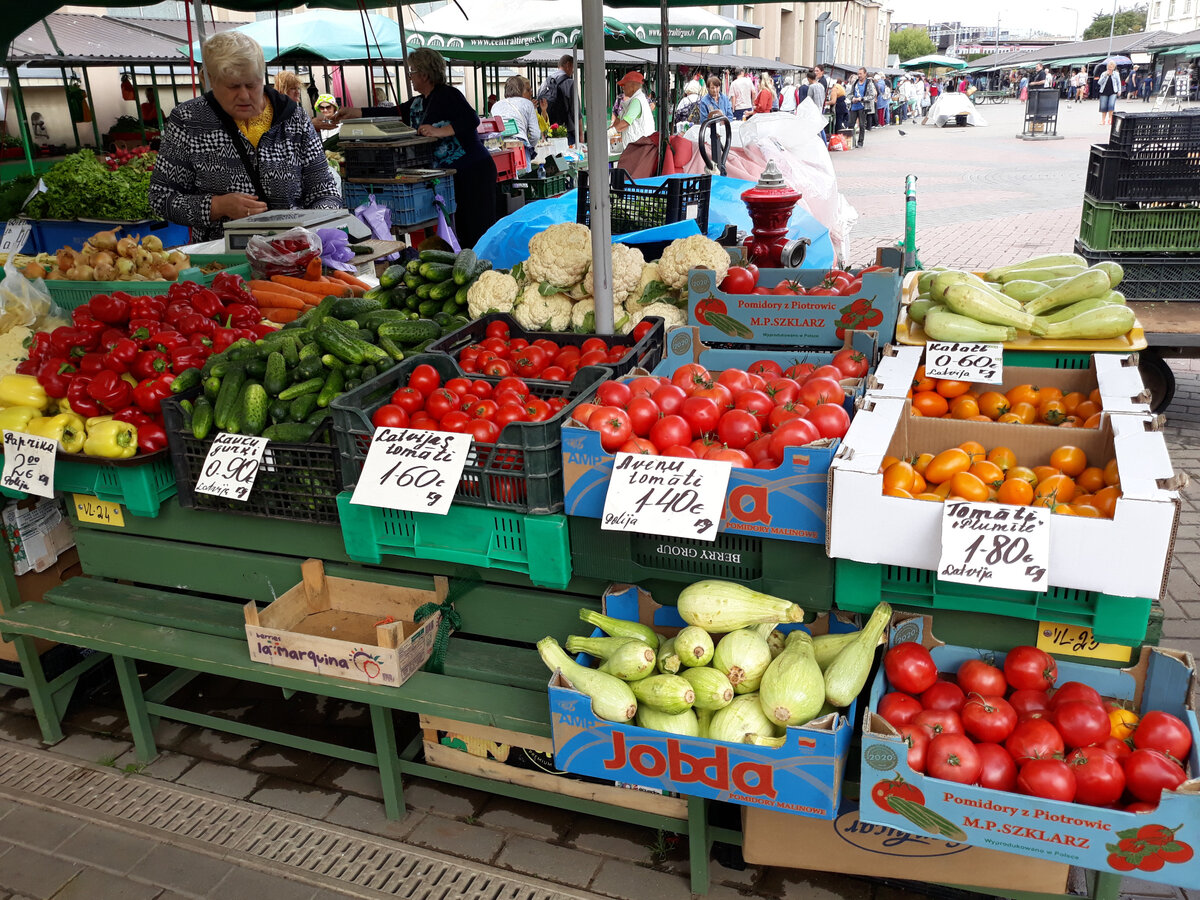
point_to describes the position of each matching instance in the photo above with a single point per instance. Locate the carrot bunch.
(284, 298)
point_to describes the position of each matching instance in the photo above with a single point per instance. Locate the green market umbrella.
(934, 61)
(323, 34)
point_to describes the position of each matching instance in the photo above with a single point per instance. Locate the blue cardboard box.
(1075, 833)
(803, 778)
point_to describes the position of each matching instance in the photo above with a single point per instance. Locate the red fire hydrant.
(770, 204)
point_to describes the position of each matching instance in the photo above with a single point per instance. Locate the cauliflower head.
(628, 263)
(671, 316)
(560, 255)
(492, 292)
(583, 316)
(694, 252)
(535, 312)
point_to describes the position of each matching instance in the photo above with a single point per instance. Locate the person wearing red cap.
(636, 119)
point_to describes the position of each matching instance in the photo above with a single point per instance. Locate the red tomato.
(690, 376)
(1030, 669)
(1029, 704)
(1148, 773)
(509, 412)
(997, 771)
(783, 390)
(702, 415)
(497, 367)
(613, 393)
(831, 420)
(817, 390)
(455, 420)
(767, 368)
(484, 409)
(441, 402)
(738, 280)
(1141, 806)
(954, 758)
(497, 329)
(580, 413)
(512, 383)
(739, 458)
(977, 677)
(898, 708)
(409, 399)
(793, 433)
(553, 373)
(917, 738)
(1119, 750)
(1051, 779)
(680, 450)
(538, 410)
(785, 413)
(669, 432)
(484, 431)
(641, 329)
(548, 347)
(593, 358)
(643, 413)
(424, 378)
(1034, 739)
(593, 343)
(1164, 732)
(530, 361)
(762, 291)
(645, 386)
(851, 363)
(638, 445)
(756, 403)
(737, 428)
(669, 398)
(1081, 722)
(701, 445)
(500, 347)
(466, 402)
(1099, 778)
(940, 721)
(568, 356)
(390, 416)
(798, 371)
(614, 427)
(737, 380)
(482, 389)
(827, 371)
(988, 719)
(717, 393)
(909, 668)
(943, 695)
(759, 449)
(426, 424)
(517, 344)
(895, 787)
(790, 288)
(1075, 690)
(460, 386)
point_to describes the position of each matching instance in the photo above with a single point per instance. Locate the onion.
(104, 240)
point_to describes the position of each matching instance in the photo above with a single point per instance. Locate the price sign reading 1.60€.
(29, 463)
(666, 495)
(231, 466)
(965, 362)
(996, 545)
(412, 469)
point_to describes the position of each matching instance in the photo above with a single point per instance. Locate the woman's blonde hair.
(233, 55)
(286, 81)
(765, 83)
(428, 63)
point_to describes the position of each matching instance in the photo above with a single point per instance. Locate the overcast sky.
(1049, 15)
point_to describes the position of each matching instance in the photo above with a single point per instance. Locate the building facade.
(847, 33)
(1173, 15)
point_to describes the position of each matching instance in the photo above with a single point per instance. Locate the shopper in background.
(687, 110)
(861, 97)
(1109, 87)
(556, 97)
(381, 98)
(741, 95)
(636, 119)
(789, 95)
(1040, 77)
(150, 109)
(816, 96)
(764, 100)
(1023, 88)
(517, 106)
(327, 118)
(841, 112)
(715, 103)
(883, 100)
(287, 82)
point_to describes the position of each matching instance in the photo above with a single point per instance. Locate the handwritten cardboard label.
(995, 545)
(965, 362)
(29, 463)
(16, 233)
(231, 466)
(412, 469)
(666, 495)
(1077, 640)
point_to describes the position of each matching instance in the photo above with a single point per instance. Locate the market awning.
(934, 60)
(92, 40)
(323, 34)
(1189, 50)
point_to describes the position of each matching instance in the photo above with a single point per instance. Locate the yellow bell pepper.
(111, 440)
(66, 428)
(22, 390)
(17, 418)
(96, 420)
(129, 379)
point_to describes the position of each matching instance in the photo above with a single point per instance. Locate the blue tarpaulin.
(507, 242)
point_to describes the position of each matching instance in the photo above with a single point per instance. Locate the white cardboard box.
(1128, 555)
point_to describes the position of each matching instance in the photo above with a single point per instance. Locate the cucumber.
(425, 290)
(225, 409)
(302, 407)
(360, 249)
(310, 386)
(279, 410)
(412, 302)
(460, 296)
(212, 386)
(309, 350)
(429, 308)
(289, 433)
(413, 281)
(351, 384)
(352, 371)
(254, 408)
(409, 333)
(392, 276)
(412, 267)
(291, 352)
(436, 272)
(256, 368)
(347, 349)
(438, 256)
(310, 368)
(464, 267)
(349, 307)
(444, 291)
(202, 418)
(275, 378)
(333, 386)
(185, 381)
(391, 348)
(329, 361)
(450, 307)
(318, 417)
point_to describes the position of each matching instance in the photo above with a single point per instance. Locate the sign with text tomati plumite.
(412, 469)
(996, 545)
(231, 465)
(666, 495)
(29, 463)
(965, 362)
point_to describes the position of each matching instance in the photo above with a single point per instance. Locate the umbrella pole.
(403, 49)
(201, 37)
(664, 78)
(577, 77)
(87, 86)
(597, 164)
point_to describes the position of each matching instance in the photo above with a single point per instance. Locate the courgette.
(1092, 283)
(254, 408)
(943, 325)
(436, 272)
(438, 256)
(464, 267)
(981, 304)
(409, 333)
(202, 418)
(1104, 322)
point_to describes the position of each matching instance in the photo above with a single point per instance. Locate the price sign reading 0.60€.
(965, 362)
(1000, 546)
(29, 463)
(231, 466)
(412, 469)
(666, 495)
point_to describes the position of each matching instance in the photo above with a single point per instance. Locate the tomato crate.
(521, 472)
(1118, 620)
(534, 545)
(383, 159)
(1148, 276)
(645, 354)
(636, 207)
(1116, 175)
(411, 204)
(296, 482)
(1139, 228)
(141, 484)
(801, 573)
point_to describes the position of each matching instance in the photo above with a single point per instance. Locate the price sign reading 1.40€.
(231, 466)
(412, 469)
(666, 495)
(29, 463)
(995, 545)
(965, 362)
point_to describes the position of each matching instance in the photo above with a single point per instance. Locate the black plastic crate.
(646, 353)
(1138, 130)
(1115, 175)
(297, 482)
(372, 159)
(636, 207)
(521, 472)
(1152, 276)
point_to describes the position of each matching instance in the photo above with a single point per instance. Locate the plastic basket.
(636, 207)
(1117, 620)
(1121, 176)
(646, 353)
(141, 484)
(1144, 229)
(544, 188)
(411, 204)
(509, 162)
(373, 159)
(536, 546)
(54, 234)
(1149, 277)
(297, 482)
(521, 472)
(1135, 131)
(1047, 359)
(73, 294)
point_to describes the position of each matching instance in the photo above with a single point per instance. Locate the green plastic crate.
(1113, 620)
(140, 487)
(1047, 359)
(544, 188)
(72, 294)
(801, 573)
(1148, 227)
(536, 546)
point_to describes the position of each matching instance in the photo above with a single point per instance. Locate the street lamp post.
(1075, 32)
(1112, 24)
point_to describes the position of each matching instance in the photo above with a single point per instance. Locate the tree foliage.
(911, 43)
(1129, 21)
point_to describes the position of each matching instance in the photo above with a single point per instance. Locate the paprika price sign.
(965, 362)
(666, 495)
(29, 463)
(995, 545)
(412, 469)
(231, 466)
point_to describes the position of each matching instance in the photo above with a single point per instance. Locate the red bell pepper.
(200, 339)
(222, 338)
(181, 290)
(91, 363)
(133, 416)
(147, 308)
(176, 312)
(188, 357)
(27, 367)
(230, 288)
(93, 330)
(39, 348)
(110, 337)
(110, 391)
(77, 395)
(151, 437)
(243, 314)
(246, 333)
(194, 323)
(82, 314)
(112, 310)
(207, 303)
(167, 340)
(66, 340)
(121, 355)
(149, 364)
(261, 330)
(54, 375)
(150, 394)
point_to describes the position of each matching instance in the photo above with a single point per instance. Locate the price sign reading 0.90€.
(16, 233)
(412, 469)
(29, 463)
(231, 466)
(965, 362)
(996, 545)
(666, 495)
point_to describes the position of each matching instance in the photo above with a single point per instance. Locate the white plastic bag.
(22, 301)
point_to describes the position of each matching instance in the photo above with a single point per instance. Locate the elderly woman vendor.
(241, 149)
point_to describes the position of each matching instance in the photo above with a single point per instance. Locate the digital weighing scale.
(239, 231)
(377, 129)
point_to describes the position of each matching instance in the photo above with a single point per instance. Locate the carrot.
(270, 299)
(309, 287)
(275, 314)
(313, 270)
(349, 279)
(272, 288)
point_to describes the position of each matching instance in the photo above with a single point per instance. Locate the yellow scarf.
(255, 128)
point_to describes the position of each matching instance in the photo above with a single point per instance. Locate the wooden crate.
(485, 743)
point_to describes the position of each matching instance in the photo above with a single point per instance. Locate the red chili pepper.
(151, 437)
(121, 355)
(243, 314)
(188, 357)
(112, 310)
(77, 395)
(54, 375)
(150, 393)
(91, 363)
(207, 303)
(110, 391)
(147, 308)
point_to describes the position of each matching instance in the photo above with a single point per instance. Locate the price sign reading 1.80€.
(412, 469)
(666, 495)
(231, 466)
(29, 463)
(965, 362)
(995, 545)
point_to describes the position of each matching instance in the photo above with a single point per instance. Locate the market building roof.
(81, 39)
(1175, 41)
(1077, 52)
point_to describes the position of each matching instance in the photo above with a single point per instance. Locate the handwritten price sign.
(16, 233)
(231, 466)
(666, 495)
(412, 469)
(996, 545)
(965, 362)
(29, 463)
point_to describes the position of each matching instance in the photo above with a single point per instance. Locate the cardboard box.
(356, 630)
(38, 532)
(787, 503)
(1128, 555)
(797, 320)
(804, 777)
(849, 846)
(1086, 836)
(32, 588)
